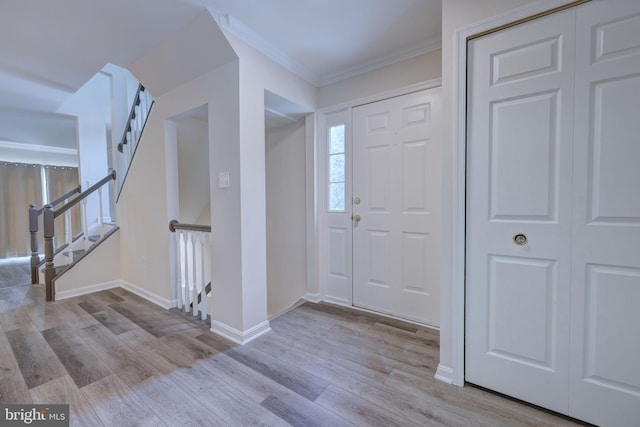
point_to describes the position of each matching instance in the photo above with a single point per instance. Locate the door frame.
(455, 374)
(321, 176)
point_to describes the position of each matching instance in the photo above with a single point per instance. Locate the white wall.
(193, 169)
(149, 198)
(253, 83)
(91, 104)
(286, 217)
(405, 73)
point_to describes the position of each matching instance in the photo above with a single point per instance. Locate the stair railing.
(191, 284)
(136, 122)
(34, 215)
(49, 215)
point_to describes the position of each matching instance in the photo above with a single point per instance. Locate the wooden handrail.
(34, 214)
(132, 115)
(49, 216)
(61, 199)
(85, 194)
(175, 225)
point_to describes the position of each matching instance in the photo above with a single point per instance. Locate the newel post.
(33, 231)
(49, 269)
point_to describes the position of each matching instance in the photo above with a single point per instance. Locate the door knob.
(356, 218)
(520, 239)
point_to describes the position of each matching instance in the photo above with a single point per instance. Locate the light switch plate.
(223, 180)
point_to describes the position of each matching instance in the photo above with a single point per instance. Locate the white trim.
(311, 204)
(39, 148)
(394, 58)
(337, 301)
(149, 296)
(240, 30)
(459, 169)
(61, 295)
(444, 374)
(404, 90)
(314, 298)
(243, 32)
(237, 336)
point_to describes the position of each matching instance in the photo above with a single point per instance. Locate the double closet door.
(553, 212)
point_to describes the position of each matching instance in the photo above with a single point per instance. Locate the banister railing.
(192, 282)
(34, 214)
(140, 110)
(49, 215)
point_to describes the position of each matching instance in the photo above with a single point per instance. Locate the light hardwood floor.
(14, 271)
(119, 360)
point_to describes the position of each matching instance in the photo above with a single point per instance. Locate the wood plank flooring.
(14, 271)
(119, 360)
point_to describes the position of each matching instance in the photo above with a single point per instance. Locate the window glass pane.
(336, 139)
(336, 196)
(336, 168)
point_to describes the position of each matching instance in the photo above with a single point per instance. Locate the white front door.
(396, 206)
(553, 212)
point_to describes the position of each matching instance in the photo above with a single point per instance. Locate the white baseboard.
(313, 297)
(150, 296)
(143, 293)
(444, 374)
(60, 295)
(237, 336)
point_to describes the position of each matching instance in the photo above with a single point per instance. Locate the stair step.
(78, 253)
(94, 238)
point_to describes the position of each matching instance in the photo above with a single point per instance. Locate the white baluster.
(203, 280)
(140, 119)
(67, 225)
(194, 265)
(85, 227)
(127, 149)
(101, 217)
(186, 271)
(178, 269)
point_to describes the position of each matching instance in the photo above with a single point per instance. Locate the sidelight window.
(336, 143)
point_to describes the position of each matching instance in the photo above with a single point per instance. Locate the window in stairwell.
(336, 144)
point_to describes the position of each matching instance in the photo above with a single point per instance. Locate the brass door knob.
(356, 218)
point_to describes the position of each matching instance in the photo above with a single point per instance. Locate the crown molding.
(233, 26)
(240, 30)
(38, 148)
(395, 57)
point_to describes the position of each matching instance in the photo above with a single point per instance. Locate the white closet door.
(605, 292)
(519, 169)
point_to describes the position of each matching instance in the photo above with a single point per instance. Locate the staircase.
(59, 260)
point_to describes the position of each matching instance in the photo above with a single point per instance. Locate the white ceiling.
(49, 49)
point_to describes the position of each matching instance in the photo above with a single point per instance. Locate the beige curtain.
(61, 180)
(20, 185)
